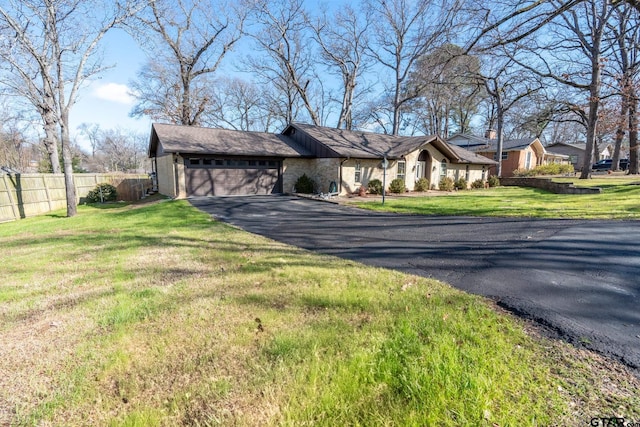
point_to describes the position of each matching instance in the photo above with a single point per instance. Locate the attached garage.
(193, 161)
(223, 177)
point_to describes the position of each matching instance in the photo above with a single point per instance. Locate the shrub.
(446, 184)
(305, 185)
(375, 186)
(422, 184)
(478, 183)
(548, 169)
(102, 193)
(397, 186)
(460, 184)
(493, 181)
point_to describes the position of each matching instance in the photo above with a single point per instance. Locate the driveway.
(579, 279)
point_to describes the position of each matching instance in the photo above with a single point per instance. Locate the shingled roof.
(360, 144)
(318, 142)
(363, 145)
(479, 144)
(167, 138)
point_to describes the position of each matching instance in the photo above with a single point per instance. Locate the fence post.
(46, 190)
(14, 207)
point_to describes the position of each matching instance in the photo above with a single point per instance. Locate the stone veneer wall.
(549, 185)
(292, 169)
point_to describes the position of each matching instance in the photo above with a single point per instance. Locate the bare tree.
(343, 39)
(447, 93)
(404, 31)
(626, 30)
(573, 57)
(507, 85)
(241, 105)
(282, 34)
(51, 46)
(92, 132)
(186, 41)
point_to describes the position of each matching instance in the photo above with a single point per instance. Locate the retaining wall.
(549, 185)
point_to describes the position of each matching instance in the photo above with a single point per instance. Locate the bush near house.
(460, 184)
(102, 193)
(446, 184)
(478, 183)
(375, 186)
(494, 181)
(397, 186)
(305, 185)
(422, 184)
(548, 169)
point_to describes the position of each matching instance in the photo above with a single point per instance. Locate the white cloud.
(114, 92)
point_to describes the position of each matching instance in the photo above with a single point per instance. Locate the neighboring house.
(574, 151)
(194, 161)
(517, 154)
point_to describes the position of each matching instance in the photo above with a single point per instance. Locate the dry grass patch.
(180, 320)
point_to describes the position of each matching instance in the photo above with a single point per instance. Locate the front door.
(420, 168)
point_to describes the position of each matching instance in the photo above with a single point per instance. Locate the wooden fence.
(25, 195)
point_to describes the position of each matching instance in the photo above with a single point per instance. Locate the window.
(466, 174)
(443, 168)
(206, 162)
(358, 173)
(402, 167)
(194, 162)
(527, 163)
(505, 156)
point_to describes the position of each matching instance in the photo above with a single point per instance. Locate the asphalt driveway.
(579, 279)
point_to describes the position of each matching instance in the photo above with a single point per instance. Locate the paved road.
(580, 279)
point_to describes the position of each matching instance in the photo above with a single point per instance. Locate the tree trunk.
(620, 131)
(67, 159)
(500, 141)
(592, 121)
(633, 132)
(50, 140)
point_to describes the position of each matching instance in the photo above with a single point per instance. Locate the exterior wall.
(327, 170)
(165, 174)
(576, 154)
(369, 169)
(515, 160)
(181, 180)
(292, 169)
(322, 171)
(437, 173)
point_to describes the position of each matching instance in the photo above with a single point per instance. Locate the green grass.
(157, 315)
(620, 199)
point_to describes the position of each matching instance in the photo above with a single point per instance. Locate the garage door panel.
(232, 181)
(200, 182)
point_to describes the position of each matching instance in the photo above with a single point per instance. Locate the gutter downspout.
(341, 164)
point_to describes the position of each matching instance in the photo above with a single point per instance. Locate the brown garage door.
(233, 177)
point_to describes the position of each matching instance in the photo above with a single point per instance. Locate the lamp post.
(385, 164)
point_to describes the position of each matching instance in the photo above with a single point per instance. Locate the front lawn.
(154, 314)
(620, 199)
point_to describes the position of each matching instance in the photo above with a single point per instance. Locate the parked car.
(605, 165)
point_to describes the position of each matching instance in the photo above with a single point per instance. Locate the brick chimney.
(491, 134)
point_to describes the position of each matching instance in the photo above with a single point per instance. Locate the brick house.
(195, 161)
(517, 154)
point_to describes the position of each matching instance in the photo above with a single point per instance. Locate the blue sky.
(105, 100)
